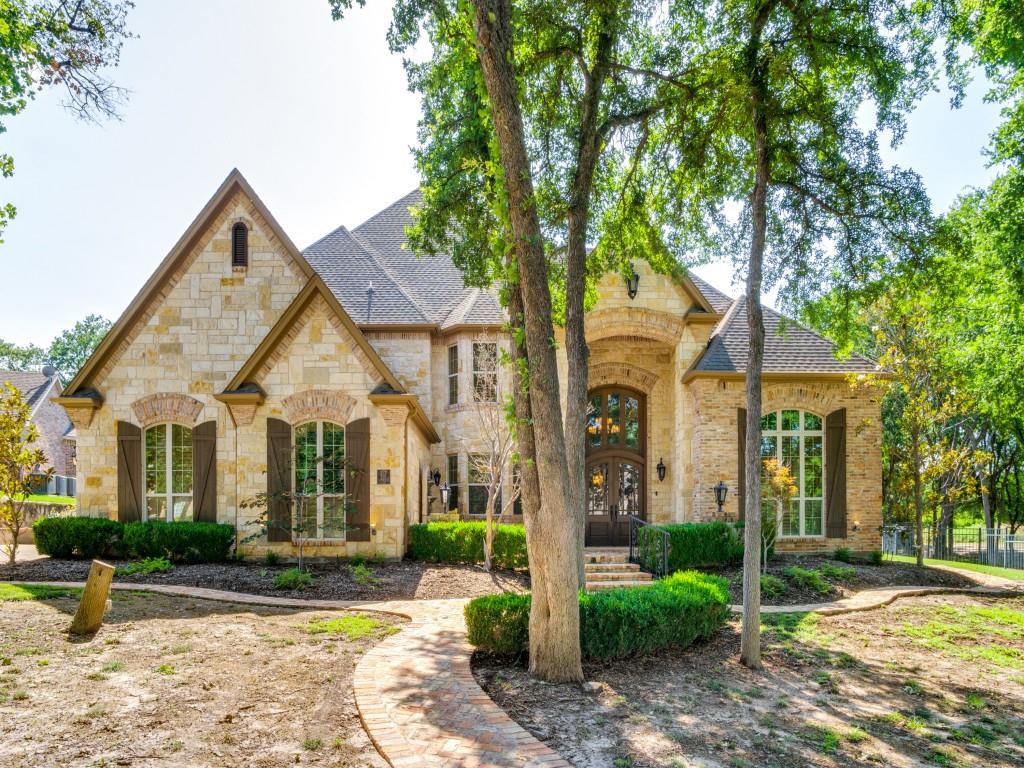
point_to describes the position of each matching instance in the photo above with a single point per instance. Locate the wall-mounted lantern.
(445, 493)
(632, 284)
(661, 470)
(721, 491)
(436, 476)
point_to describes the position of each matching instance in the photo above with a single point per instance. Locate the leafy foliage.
(698, 545)
(190, 542)
(21, 464)
(772, 586)
(463, 542)
(67, 352)
(808, 579)
(293, 578)
(148, 565)
(671, 613)
(85, 537)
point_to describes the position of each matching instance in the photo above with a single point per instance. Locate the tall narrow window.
(485, 372)
(453, 481)
(320, 479)
(453, 374)
(479, 480)
(240, 245)
(795, 438)
(168, 464)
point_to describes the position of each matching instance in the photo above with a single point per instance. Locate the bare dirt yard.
(929, 681)
(179, 682)
(335, 580)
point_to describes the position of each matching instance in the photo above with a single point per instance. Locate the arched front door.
(616, 451)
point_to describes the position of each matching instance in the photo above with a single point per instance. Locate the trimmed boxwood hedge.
(88, 537)
(671, 613)
(699, 545)
(463, 542)
(65, 537)
(184, 541)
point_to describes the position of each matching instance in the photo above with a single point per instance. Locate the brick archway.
(318, 404)
(603, 374)
(634, 321)
(166, 407)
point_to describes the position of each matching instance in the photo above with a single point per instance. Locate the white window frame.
(484, 372)
(168, 495)
(452, 374)
(320, 495)
(802, 433)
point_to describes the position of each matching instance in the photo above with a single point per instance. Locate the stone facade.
(205, 322)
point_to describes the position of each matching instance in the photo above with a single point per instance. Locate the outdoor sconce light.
(661, 470)
(856, 525)
(373, 530)
(632, 283)
(436, 476)
(721, 491)
(445, 493)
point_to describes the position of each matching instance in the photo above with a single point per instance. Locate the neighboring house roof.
(788, 348)
(32, 385)
(51, 421)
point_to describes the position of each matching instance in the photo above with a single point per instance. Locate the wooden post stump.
(89, 617)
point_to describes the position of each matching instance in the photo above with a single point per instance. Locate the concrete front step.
(605, 555)
(597, 567)
(593, 586)
(618, 576)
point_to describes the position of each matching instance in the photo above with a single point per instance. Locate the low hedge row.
(463, 542)
(697, 545)
(89, 537)
(671, 613)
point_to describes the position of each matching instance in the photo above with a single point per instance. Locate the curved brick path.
(416, 694)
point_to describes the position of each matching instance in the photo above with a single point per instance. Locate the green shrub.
(293, 578)
(87, 537)
(362, 575)
(463, 542)
(180, 542)
(149, 565)
(271, 558)
(671, 613)
(830, 571)
(696, 545)
(809, 579)
(876, 557)
(842, 554)
(772, 586)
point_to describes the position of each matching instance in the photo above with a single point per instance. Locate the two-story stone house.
(245, 366)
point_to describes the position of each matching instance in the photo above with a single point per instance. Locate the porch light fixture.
(436, 476)
(445, 493)
(632, 283)
(721, 491)
(661, 470)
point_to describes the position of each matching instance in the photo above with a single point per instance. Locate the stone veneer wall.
(714, 405)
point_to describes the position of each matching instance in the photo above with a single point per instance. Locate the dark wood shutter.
(741, 464)
(357, 458)
(835, 474)
(129, 472)
(279, 476)
(239, 245)
(204, 472)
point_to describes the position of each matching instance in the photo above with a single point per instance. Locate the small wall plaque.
(383, 477)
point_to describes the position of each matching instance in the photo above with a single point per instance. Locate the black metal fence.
(648, 546)
(986, 546)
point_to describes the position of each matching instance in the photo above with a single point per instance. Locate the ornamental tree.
(20, 465)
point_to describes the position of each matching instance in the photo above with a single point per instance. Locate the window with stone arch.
(797, 440)
(320, 479)
(167, 461)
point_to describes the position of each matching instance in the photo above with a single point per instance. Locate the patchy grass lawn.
(1006, 573)
(175, 681)
(935, 680)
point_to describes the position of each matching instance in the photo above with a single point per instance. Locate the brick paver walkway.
(416, 694)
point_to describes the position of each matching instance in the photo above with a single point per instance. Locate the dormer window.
(239, 246)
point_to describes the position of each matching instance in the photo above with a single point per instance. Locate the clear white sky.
(315, 113)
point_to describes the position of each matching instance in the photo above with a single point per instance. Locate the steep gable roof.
(33, 385)
(789, 347)
(235, 182)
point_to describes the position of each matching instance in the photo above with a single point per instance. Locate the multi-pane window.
(168, 465)
(614, 420)
(453, 481)
(479, 480)
(453, 375)
(485, 371)
(320, 480)
(796, 439)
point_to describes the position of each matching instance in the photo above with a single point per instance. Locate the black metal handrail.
(649, 546)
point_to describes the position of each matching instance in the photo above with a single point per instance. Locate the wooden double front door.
(616, 464)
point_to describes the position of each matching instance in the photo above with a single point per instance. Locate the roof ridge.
(387, 208)
(336, 230)
(823, 337)
(379, 260)
(726, 319)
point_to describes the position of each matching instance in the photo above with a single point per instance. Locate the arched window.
(168, 464)
(239, 245)
(796, 439)
(320, 479)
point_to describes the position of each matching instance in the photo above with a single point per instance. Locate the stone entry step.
(596, 586)
(606, 555)
(609, 568)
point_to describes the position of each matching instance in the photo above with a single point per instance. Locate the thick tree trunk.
(750, 637)
(554, 614)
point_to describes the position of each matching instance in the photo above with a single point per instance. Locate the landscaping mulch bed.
(171, 681)
(405, 580)
(866, 576)
(936, 680)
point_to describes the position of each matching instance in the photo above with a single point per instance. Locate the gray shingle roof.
(718, 300)
(788, 347)
(32, 384)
